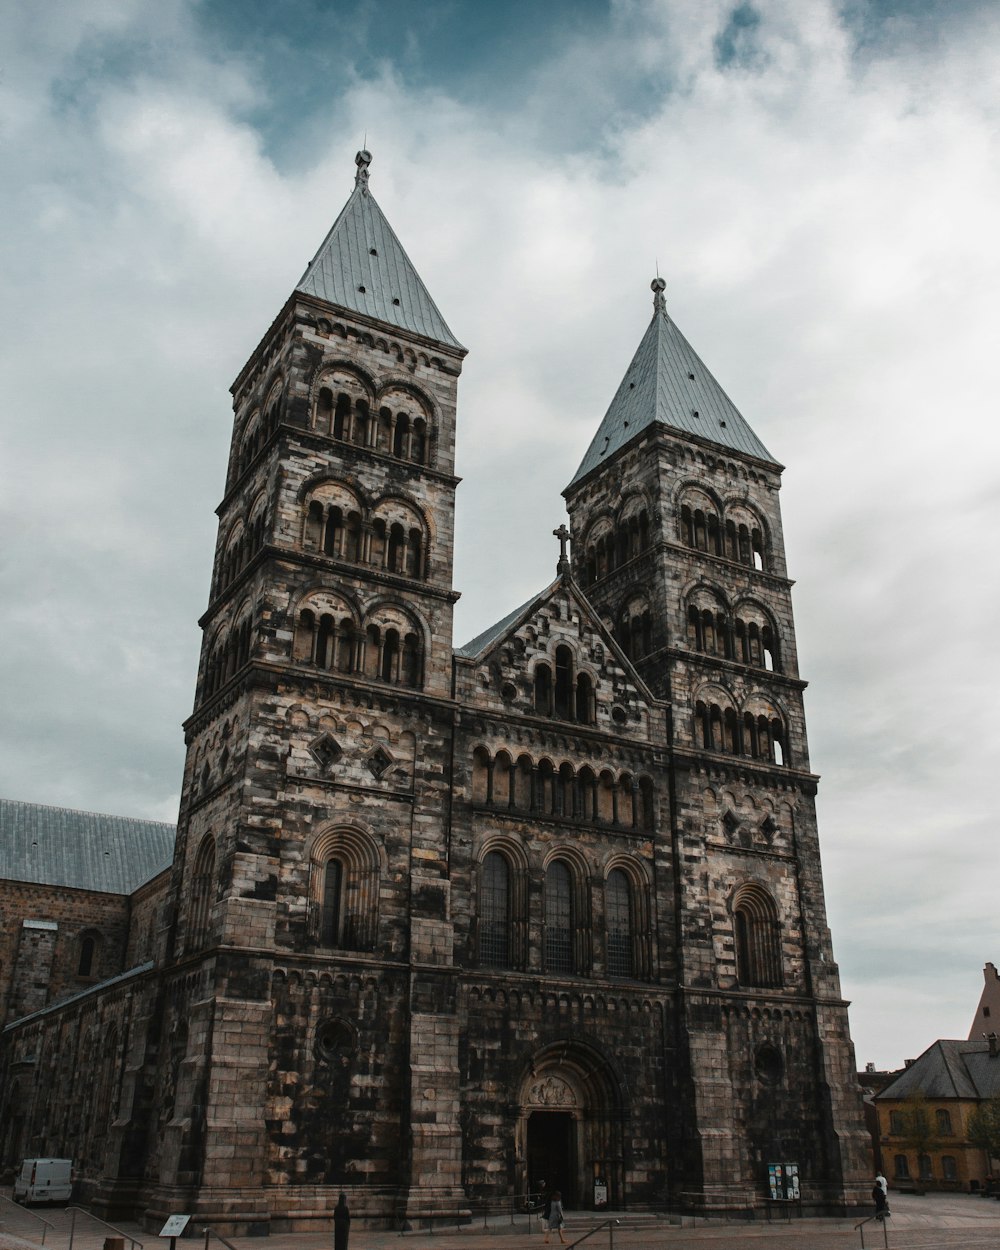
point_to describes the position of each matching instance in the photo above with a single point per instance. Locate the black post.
(341, 1224)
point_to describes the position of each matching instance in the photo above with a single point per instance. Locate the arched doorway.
(570, 1121)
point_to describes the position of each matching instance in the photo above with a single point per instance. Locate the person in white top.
(882, 1183)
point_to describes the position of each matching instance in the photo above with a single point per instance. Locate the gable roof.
(361, 266)
(482, 642)
(668, 384)
(948, 1069)
(81, 850)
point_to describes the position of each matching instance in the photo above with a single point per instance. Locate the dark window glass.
(902, 1168)
(331, 917)
(558, 919)
(618, 905)
(494, 912)
(944, 1122)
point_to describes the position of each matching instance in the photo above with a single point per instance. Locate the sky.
(816, 182)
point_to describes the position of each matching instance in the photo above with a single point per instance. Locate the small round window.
(335, 1042)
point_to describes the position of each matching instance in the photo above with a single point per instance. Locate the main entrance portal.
(571, 1124)
(552, 1154)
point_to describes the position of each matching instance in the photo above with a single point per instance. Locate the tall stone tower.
(312, 890)
(699, 598)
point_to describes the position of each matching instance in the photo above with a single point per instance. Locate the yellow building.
(942, 1089)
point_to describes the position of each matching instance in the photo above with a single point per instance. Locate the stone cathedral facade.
(444, 923)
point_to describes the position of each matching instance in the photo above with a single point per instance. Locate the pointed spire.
(361, 266)
(667, 384)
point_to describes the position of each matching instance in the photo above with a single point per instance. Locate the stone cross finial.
(562, 533)
(362, 160)
(658, 286)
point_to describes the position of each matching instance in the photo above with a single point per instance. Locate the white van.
(44, 1180)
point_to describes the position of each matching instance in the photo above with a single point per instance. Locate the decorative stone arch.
(740, 520)
(765, 728)
(406, 422)
(502, 926)
(572, 1116)
(346, 864)
(756, 638)
(567, 939)
(756, 934)
(401, 536)
(395, 644)
(639, 937)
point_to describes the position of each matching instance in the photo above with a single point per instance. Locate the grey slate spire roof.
(361, 266)
(81, 850)
(667, 383)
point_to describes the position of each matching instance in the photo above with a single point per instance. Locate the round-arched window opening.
(768, 1064)
(619, 715)
(335, 1042)
(508, 692)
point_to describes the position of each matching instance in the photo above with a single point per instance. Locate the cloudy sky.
(817, 182)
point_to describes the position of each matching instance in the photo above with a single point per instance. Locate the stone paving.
(932, 1222)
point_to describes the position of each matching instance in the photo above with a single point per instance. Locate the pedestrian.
(546, 1209)
(556, 1219)
(880, 1200)
(341, 1224)
(880, 1180)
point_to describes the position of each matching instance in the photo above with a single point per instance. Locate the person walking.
(880, 1180)
(880, 1200)
(556, 1218)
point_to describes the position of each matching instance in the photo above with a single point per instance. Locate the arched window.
(331, 923)
(324, 410)
(619, 922)
(543, 690)
(563, 702)
(344, 890)
(494, 912)
(901, 1168)
(87, 962)
(585, 705)
(758, 938)
(202, 894)
(558, 918)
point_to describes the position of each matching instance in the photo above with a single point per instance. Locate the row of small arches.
(562, 692)
(609, 545)
(259, 429)
(242, 544)
(704, 530)
(358, 539)
(757, 736)
(396, 424)
(229, 653)
(745, 641)
(568, 905)
(620, 800)
(337, 643)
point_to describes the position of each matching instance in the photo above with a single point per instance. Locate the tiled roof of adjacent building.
(82, 850)
(361, 266)
(949, 1069)
(667, 383)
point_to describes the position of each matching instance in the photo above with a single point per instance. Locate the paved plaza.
(932, 1222)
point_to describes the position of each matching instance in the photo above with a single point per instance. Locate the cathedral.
(443, 923)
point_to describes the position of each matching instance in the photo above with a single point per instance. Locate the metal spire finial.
(362, 160)
(658, 286)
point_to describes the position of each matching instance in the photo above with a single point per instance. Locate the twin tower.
(451, 922)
